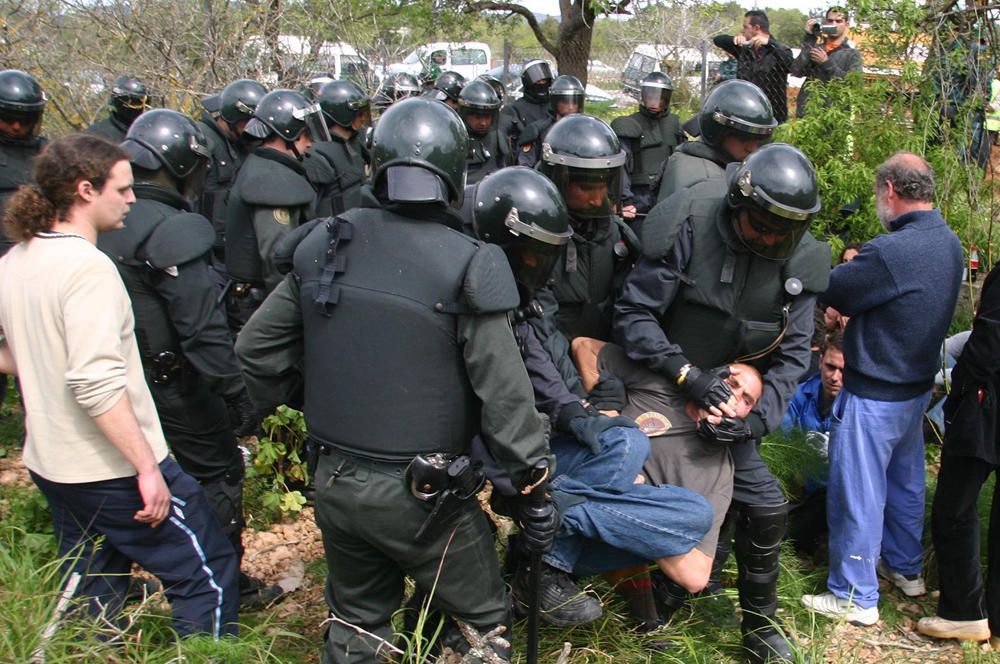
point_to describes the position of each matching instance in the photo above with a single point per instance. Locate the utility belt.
(447, 480)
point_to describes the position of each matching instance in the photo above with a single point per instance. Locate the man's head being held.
(746, 385)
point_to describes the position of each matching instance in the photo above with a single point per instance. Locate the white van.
(307, 58)
(470, 59)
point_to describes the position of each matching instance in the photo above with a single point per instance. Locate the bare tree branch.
(521, 10)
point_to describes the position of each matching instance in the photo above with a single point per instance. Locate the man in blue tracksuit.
(900, 293)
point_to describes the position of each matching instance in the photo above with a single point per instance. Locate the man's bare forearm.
(120, 426)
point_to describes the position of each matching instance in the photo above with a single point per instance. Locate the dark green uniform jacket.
(226, 161)
(375, 293)
(579, 298)
(486, 154)
(337, 171)
(515, 117)
(187, 350)
(691, 163)
(110, 128)
(270, 197)
(698, 294)
(16, 157)
(649, 142)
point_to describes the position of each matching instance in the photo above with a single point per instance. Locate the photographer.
(761, 59)
(826, 54)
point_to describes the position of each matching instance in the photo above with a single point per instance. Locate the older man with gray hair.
(900, 293)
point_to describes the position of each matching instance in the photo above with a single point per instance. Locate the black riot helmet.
(419, 149)
(736, 107)
(478, 99)
(129, 98)
(448, 86)
(239, 99)
(655, 92)
(21, 101)
(342, 102)
(161, 138)
(287, 113)
(570, 92)
(401, 86)
(520, 210)
(584, 158)
(315, 84)
(496, 84)
(774, 195)
(536, 77)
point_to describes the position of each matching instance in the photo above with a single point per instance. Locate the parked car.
(304, 58)
(470, 59)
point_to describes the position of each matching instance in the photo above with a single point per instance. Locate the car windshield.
(468, 57)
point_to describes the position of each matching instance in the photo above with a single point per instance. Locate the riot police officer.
(394, 285)
(22, 104)
(748, 297)
(536, 77)
(735, 119)
(162, 255)
(336, 167)
(223, 128)
(448, 87)
(649, 136)
(479, 106)
(498, 87)
(394, 88)
(129, 98)
(271, 195)
(566, 96)
(584, 159)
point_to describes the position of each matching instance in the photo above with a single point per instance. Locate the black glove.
(539, 521)
(708, 389)
(588, 430)
(243, 416)
(730, 431)
(609, 393)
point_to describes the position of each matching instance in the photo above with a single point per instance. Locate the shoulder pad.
(489, 285)
(810, 264)
(318, 167)
(626, 126)
(659, 232)
(277, 187)
(284, 251)
(179, 239)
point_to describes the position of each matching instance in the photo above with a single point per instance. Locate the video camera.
(819, 28)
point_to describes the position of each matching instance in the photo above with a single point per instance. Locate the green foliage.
(279, 465)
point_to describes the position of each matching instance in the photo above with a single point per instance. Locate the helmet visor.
(589, 193)
(532, 262)
(563, 104)
(21, 124)
(312, 116)
(768, 235)
(655, 99)
(478, 121)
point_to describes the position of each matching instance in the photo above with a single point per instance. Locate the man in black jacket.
(761, 59)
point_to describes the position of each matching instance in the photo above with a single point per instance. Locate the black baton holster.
(447, 481)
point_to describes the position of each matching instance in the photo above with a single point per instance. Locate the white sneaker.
(832, 606)
(911, 587)
(963, 630)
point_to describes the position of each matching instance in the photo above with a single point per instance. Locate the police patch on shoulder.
(653, 424)
(281, 216)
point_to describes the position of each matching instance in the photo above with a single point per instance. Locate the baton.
(536, 502)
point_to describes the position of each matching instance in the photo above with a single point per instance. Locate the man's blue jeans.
(875, 501)
(611, 522)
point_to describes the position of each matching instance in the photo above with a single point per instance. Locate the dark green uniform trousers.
(368, 518)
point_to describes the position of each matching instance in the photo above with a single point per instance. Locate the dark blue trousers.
(188, 552)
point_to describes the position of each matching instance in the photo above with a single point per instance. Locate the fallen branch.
(364, 632)
(904, 646)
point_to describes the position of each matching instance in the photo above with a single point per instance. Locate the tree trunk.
(576, 31)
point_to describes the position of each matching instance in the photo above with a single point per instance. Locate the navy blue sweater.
(900, 292)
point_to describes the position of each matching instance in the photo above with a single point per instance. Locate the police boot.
(712, 603)
(480, 644)
(560, 601)
(759, 531)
